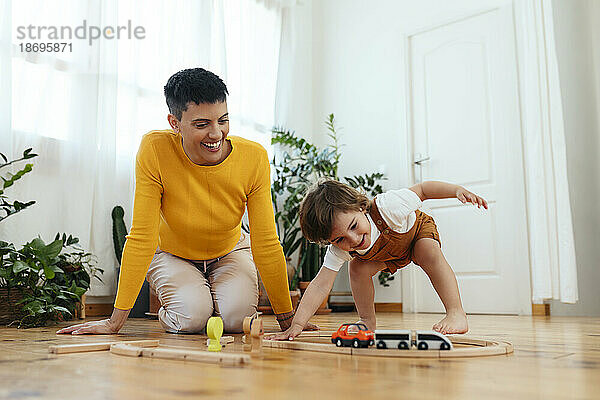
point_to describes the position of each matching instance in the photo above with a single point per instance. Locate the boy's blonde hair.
(322, 202)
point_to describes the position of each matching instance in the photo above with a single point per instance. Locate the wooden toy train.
(358, 335)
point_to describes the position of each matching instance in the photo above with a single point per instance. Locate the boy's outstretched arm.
(442, 190)
(313, 297)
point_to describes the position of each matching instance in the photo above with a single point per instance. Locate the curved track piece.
(467, 347)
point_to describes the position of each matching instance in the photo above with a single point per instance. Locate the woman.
(193, 184)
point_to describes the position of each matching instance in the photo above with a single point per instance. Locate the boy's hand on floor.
(289, 334)
(285, 321)
(311, 327)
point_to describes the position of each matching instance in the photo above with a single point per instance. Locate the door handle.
(421, 160)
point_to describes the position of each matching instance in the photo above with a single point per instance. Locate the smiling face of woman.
(204, 128)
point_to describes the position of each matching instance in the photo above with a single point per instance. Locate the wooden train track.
(180, 354)
(463, 347)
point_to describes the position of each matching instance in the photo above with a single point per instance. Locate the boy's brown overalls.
(393, 248)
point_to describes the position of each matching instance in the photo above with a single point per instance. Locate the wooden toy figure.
(214, 330)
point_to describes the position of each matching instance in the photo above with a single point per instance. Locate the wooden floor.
(554, 358)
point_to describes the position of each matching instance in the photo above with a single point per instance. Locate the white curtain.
(551, 241)
(85, 111)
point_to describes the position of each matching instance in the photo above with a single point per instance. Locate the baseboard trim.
(388, 307)
(98, 309)
(105, 309)
(540, 309)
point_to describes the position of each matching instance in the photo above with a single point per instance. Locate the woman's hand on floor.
(102, 327)
(109, 326)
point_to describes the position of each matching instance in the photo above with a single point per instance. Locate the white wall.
(577, 41)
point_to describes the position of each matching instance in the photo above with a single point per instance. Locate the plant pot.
(70, 268)
(263, 299)
(9, 309)
(295, 295)
(154, 302)
(264, 305)
(265, 310)
(323, 309)
(290, 269)
(80, 308)
(302, 285)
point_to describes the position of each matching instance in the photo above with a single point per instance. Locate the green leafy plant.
(8, 180)
(384, 277)
(49, 278)
(296, 167)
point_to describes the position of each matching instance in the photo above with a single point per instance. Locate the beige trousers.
(191, 291)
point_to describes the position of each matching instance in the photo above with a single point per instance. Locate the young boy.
(386, 233)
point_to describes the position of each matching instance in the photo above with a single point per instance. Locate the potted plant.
(298, 165)
(39, 282)
(48, 279)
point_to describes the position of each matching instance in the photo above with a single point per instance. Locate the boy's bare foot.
(455, 322)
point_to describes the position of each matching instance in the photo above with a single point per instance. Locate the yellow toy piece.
(214, 330)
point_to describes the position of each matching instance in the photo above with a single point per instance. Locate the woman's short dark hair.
(193, 85)
(321, 204)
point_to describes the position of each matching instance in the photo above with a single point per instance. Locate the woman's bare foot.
(455, 322)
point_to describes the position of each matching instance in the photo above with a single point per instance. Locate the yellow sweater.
(195, 212)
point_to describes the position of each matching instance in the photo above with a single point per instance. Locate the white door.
(465, 123)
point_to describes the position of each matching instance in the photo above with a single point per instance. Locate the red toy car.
(355, 335)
